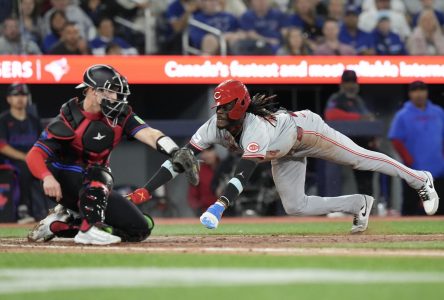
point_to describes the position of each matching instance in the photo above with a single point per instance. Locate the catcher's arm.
(181, 160)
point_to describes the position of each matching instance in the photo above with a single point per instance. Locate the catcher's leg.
(93, 200)
(289, 177)
(127, 221)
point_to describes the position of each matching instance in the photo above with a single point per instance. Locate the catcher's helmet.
(106, 78)
(232, 90)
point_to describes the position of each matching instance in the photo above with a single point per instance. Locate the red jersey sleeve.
(35, 159)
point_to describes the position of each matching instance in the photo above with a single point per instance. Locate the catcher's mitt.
(183, 160)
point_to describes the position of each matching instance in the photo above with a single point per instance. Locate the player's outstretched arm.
(235, 186)
(181, 160)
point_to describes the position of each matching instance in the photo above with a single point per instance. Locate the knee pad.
(97, 184)
(97, 173)
(93, 201)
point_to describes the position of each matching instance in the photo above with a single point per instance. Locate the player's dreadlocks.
(264, 106)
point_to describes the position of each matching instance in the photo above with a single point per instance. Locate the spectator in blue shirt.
(178, 13)
(351, 35)
(106, 36)
(386, 41)
(265, 24)
(417, 134)
(428, 4)
(169, 33)
(305, 17)
(210, 13)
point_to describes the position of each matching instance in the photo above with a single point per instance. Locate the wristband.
(166, 145)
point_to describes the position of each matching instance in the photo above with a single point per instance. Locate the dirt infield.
(244, 244)
(250, 244)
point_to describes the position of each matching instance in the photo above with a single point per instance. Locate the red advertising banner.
(50, 69)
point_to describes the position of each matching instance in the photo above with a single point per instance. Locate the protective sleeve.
(236, 185)
(35, 159)
(162, 176)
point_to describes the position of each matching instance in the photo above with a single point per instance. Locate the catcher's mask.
(104, 78)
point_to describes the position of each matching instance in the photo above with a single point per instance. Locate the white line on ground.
(33, 280)
(234, 250)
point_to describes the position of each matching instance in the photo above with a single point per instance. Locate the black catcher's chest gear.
(60, 130)
(94, 138)
(97, 137)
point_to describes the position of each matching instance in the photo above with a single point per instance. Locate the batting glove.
(139, 196)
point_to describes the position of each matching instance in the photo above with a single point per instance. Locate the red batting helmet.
(232, 90)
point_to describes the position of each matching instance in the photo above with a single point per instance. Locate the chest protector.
(94, 139)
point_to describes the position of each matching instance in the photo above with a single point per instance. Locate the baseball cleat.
(360, 221)
(210, 219)
(42, 231)
(96, 236)
(428, 195)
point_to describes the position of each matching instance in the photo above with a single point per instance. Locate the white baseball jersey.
(259, 138)
(288, 141)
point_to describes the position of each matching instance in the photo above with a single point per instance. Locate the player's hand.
(52, 188)
(139, 196)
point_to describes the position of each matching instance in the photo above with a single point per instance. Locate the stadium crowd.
(261, 27)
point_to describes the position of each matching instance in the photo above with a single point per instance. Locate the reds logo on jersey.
(253, 147)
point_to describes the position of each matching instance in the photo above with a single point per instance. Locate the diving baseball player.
(262, 132)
